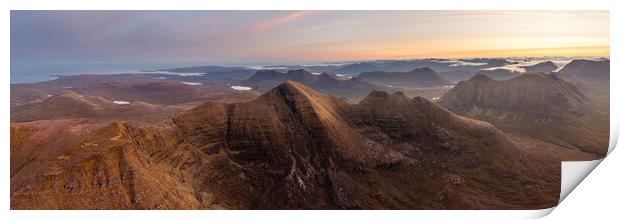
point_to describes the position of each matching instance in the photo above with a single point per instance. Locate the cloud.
(284, 19)
(322, 26)
(226, 37)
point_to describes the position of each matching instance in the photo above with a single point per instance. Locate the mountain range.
(290, 148)
(353, 87)
(439, 65)
(542, 67)
(493, 138)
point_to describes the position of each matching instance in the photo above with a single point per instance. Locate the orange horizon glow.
(593, 51)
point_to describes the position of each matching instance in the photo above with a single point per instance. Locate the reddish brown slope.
(71, 164)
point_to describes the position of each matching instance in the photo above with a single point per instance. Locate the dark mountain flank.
(551, 107)
(421, 77)
(290, 148)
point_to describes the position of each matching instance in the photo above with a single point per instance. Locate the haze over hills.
(543, 67)
(497, 74)
(215, 72)
(439, 65)
(421, 77)
(290, 148)
(503, 70)
(546, 106)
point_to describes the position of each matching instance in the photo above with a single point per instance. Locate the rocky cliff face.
(550, 107)
(291, 148)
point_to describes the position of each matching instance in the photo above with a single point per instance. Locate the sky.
(252, 37)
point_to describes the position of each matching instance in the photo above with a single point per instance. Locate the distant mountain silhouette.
(422, 77)
(542, 67)
(499, 73)
(330, 83)
(496, 74)
(356, 68)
